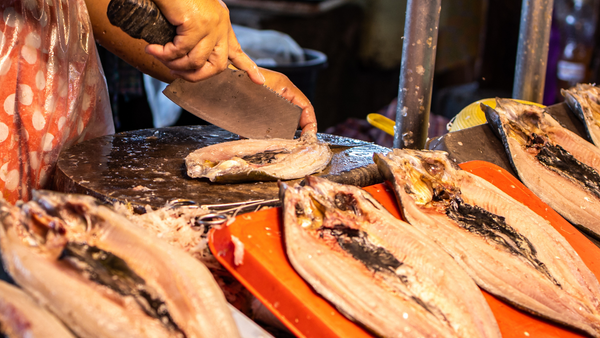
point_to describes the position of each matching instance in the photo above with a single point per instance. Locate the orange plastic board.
(267, 273)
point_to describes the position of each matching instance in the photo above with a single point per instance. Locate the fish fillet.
(376, 269)
(557, 165)
(584, 101)
(22, 317)
(259, 160)
(509, 250)
(105, 277)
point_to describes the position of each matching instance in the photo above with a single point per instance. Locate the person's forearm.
(121, 44)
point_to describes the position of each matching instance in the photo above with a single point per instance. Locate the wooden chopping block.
(146, 167)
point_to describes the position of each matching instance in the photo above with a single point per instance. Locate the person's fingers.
(199, 56)
(308, 120)
(216, 63)
(242, 61)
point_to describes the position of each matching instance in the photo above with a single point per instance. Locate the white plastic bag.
(268, 48)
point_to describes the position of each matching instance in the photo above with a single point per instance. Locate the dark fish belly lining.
(569, 269)
(581, 207)
(497, 277)
(393, 275)
(581, 149)
(336, 275)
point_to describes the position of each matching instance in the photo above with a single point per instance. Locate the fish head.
(299, 206)
(342, 204)
(29, 225)
(73, 209)
(525, 123)
(426, 176)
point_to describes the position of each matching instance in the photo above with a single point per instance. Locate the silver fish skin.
(22, 317)
(584, 101)
(259, 160)
(105, 277)
(509, 250)
(378, 270)
(530, 134)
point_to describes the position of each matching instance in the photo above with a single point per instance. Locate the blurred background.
(345, 55)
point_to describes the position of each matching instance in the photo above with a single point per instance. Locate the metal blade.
(231, 100)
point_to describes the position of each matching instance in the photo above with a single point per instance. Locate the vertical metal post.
(416, 73)
(532, 51)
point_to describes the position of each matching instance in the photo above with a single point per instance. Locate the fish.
(105, 277)
(259, 160)
(557, 165)
(584, 101)
(508, 249)
(376, 269)
(22, 317)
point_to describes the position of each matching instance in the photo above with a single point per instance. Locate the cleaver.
(229, 100)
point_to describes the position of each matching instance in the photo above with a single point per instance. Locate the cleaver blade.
(231, 100)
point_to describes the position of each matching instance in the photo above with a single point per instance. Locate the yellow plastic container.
(472, 115)
(469, 116)
(381, 122)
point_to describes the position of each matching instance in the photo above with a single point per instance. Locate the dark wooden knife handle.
(141, 19)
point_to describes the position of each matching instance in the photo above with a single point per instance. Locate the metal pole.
(532, 51)
(416, 73)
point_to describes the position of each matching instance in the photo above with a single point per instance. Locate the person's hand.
(284, 87)
(204, 43)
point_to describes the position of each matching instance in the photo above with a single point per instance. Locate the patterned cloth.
(361, 129)
(53, 91)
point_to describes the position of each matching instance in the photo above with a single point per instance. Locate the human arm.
(202, 47)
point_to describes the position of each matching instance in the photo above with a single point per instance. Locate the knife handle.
(141, 19)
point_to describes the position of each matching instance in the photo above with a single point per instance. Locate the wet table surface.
(146, 167)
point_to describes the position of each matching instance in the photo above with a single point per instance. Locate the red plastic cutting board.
(267, 273)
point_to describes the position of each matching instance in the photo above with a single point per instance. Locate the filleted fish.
(22, 317)
(259, 160)
(509, 250)
(378, 270)
(584, 101)
(105, 277)
(557, 165)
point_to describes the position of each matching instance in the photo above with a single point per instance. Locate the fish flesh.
(259, 160)
(557, 165)
(509, 250)
(376, 269)
(22, 317)
(105, 277)
(584, 101)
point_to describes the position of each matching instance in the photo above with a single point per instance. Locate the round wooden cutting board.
(146, 167)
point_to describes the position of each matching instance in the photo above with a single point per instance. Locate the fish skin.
(287, 159)
(584, 101)
(494, 268)
(192, 297)
(22, 317)
(582, 207)
(381, 303)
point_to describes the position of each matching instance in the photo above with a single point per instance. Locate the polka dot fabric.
(52, 90)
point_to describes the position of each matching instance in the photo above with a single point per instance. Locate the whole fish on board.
(259, 160)
(22, 317)
(105, 277)
(509, 250)
(378, 270)
(557, 165)
(584, 101)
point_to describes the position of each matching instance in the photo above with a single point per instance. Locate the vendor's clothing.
(52, 90)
